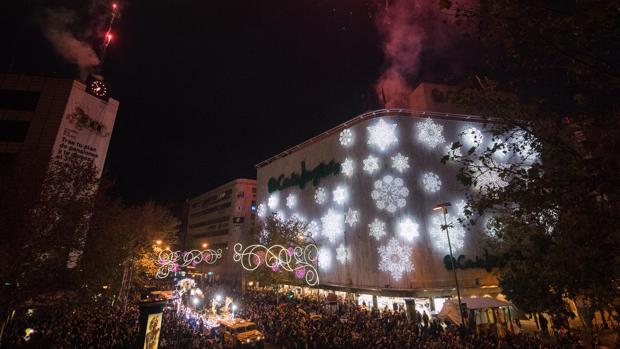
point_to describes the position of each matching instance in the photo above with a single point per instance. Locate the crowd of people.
(295, 323)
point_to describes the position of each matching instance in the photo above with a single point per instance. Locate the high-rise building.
(217, 220)
(43, 118)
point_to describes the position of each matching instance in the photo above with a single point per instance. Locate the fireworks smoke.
(413, 30)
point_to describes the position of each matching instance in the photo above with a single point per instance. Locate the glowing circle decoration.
(389, 193)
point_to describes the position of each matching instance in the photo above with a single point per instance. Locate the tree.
(548, 85)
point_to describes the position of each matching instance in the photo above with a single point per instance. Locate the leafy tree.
(548, 85)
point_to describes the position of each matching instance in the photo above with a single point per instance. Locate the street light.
(158, 242)
(204, 245)
(444, 209)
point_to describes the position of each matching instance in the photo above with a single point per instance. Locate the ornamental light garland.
(351, 217)
(395, 259)
(377, 229)
(439, 237)
(276, 257)
(431, 182)
(172, 261)
(346, 137)
(347, 167)
(389, 193)
(333, 225)
(382, 134)
(320, 195)
(371, 164)
(430, 133)
(400, 162)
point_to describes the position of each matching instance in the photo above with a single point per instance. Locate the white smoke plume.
(57, 28)
(411, 29)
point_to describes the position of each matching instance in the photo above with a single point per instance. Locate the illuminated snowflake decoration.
(431, 182)
(400, 162)
(320, 195)
(395, 259)
(382, 134)
(313, 229)
(430, 133)
(281, 216)
(487, 177)
(371, 164)
(296, 217)
(291, 201)
(524, 144)
(439, 237)
(340, 195)
(460, 208)
(389, 194)
(343, 254)
(453, 153)
(333, 225)
(408, 229)
(473, 136)
(377, 229)
(273, 201)
(346, 137)
(261, 210)
(351, 217)
(325, 258)
(347, 167)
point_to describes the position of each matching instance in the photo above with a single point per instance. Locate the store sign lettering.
(315, 175)
(487, 262)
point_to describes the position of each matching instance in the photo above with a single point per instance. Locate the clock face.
(98, 88)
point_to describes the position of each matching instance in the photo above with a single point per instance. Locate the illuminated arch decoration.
(430, 133)
(382, 134)
(298, 260)
(171, 261)
(389, 194)
(346, 137)
(395, 259)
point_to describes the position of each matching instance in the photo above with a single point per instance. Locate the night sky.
(207, 89)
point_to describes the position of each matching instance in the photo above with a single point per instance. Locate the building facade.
(42, 118)
(367, 190)
(217, 220)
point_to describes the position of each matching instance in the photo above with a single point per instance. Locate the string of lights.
(171, 261)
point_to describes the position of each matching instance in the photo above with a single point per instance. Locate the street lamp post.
(444, 209)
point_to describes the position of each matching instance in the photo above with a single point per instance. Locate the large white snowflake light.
(320, 195)
(524, 145)
(346, 137)
(347, 167)
(389, 193)
(313, 229)
(371, 164)
(395, 259)
(431, 182)
(400, 162)
(291, 201)
(333, 225)
(343, 254)
(408, 229)
(325, 258)
(351, 217)
(382, 134)
(340, 195)
(453, 153)
(377, 229)
(296, 217)
(273, 201)
(460, 208)
(439, 237)
(430, 133)
(261, 210)
(487, 177)
(473, 136)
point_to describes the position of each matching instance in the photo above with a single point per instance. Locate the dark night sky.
(209, 88)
